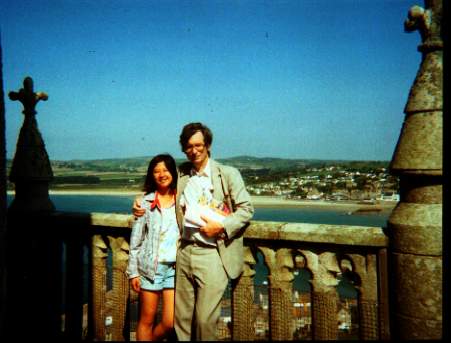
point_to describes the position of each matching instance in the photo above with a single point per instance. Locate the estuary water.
(123, 204)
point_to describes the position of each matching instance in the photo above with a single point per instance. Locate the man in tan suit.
(211, 246)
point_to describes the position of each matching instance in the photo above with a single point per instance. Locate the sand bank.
(269, 201)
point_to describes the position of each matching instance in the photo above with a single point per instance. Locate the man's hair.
(150, 184)
(190, 129)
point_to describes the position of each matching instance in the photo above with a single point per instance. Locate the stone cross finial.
(28, 97)
(427, 22)
(30, 170)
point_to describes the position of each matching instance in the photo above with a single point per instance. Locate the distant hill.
(240, 162)
(128, 173)
(250, 162)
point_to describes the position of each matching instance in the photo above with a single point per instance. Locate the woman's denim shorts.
(164, 278)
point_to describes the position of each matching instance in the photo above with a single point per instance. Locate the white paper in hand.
(193, 215)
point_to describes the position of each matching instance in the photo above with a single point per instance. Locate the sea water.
(123, 204)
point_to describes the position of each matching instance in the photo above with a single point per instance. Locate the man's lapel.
(216, 180)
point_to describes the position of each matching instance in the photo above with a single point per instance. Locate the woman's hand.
(135, 283)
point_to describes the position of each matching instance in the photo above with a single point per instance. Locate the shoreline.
(348, 205)
(258, 201)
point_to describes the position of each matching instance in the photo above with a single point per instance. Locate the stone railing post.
(324, 267)
(280, 264)
(243, 301)
(415, 225)
(99, 285)
(120, 291)
(40, 250)
(365, 266)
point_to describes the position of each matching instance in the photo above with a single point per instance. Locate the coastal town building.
(341, 185)
(301, 319)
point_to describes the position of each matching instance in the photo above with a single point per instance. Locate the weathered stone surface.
(424, 193)
(411, 328)
(416, 228)
(324, 268)
(280, 263)
(427, 91)
(420, 145)
(365, 266)
(120, 289)
(243, 309)
(281, 259)
(418, 286)
(120, 248)
(99, 284)
(31, 196)
(415, 225)
(31, 161)
(325, 316)
(112, 219)
(249, 263)
(266, 230)
(335, 234)
(30, 170)
(369, 328)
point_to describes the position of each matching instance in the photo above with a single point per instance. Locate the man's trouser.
(200, 282)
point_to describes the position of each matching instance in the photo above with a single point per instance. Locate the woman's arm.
(136, 240)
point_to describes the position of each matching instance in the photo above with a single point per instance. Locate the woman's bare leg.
(149, 304)
(167, 320)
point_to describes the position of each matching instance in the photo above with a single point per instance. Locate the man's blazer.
(228, 186)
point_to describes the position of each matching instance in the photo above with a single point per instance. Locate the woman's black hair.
(149, 183)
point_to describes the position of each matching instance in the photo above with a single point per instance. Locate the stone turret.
(415, 225)
(31, 171)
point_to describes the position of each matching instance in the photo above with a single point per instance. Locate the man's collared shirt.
(198, 191)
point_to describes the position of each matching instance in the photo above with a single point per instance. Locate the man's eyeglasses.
(198, 147)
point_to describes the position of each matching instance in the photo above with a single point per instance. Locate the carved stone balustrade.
(326, 251)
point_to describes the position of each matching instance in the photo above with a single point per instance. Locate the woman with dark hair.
(153, 246)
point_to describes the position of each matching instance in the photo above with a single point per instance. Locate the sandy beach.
(258, 201)
(269, 201)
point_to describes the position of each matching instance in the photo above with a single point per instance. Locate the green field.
(129, 173)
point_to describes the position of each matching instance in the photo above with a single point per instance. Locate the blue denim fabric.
(163, 278)
(144, 241)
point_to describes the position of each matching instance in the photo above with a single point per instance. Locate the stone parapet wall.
(326, 251)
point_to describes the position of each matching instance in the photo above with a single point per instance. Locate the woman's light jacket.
(145, 239)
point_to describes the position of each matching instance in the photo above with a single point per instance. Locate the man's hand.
(136, 284)
(137, 210)
(211, 228)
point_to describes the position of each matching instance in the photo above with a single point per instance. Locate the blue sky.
(321, 79)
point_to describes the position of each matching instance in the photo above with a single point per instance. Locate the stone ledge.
(318, 233)
(264, 230)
